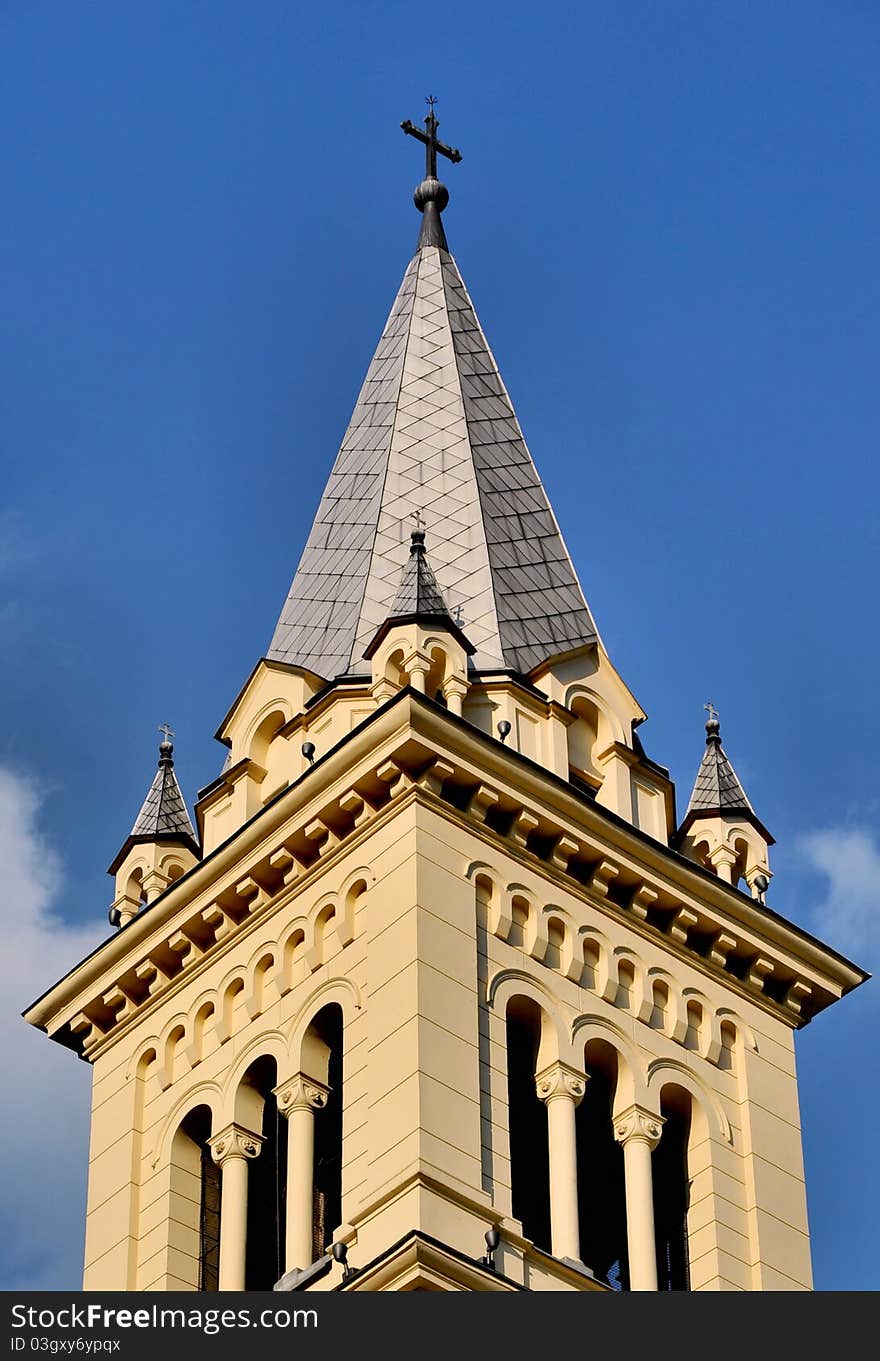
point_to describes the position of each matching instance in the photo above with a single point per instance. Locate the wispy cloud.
(848, 916)
(44, 1122)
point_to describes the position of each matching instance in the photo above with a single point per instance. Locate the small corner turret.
(419, 643)
(161, 845)
(721, 830)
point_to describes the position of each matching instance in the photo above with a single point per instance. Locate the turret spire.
(717, 788)
(431, 197)
(163, 815)
(419, 598)
(721, 828)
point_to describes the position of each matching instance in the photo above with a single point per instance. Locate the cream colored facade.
(427, 879)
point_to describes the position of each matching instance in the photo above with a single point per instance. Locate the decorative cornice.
(638, 1123)
(412, 749)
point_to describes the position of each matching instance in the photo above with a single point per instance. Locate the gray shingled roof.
(717, 787)
(164, 812)
(418, 593)
(434, 431)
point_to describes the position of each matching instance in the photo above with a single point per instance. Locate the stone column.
(298, 1100)
(722, 860)
(454, 691)
(638, 1130)
(561, 1089)
(232, 1149)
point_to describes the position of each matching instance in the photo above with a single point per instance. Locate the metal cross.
(165, 729)
(432, 146)
(712, 712)
(419, 519)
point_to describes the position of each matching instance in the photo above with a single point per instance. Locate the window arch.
(257, 1108)
(669, 1165)
(601, 1185)
(195, 1201)
(527, 1119)
(322, 1060)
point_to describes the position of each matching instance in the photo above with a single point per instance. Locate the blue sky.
(667, 217)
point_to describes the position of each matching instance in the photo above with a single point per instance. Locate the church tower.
(436, 994)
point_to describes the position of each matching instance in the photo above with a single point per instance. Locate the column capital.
(560, 1080)
(301, 1092)
(638, 1123)
(234, 1142)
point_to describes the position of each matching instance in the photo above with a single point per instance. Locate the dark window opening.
(209, 1223)
(671, 1199)
(601, 1184)
(529, 1150)
(267, 1186)
(327, 1204)
(195, 1157)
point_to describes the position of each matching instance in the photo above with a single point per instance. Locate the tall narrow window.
(327, 1204)
(601, 1185)
(209, 1224)
(529, 1152)
(267, 1180)
(194, 1204)
(671, 1193)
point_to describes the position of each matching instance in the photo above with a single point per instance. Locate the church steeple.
(434, 430)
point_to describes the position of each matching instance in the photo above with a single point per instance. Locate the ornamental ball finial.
(166, 749)
(431, 191)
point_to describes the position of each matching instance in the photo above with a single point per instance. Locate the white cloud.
(44, 1121)
(848, 917)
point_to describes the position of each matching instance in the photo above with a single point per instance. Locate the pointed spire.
(434, 428)
(164, 812)
(419, 598)
(163, 815)
(717, 788)
(418, 594)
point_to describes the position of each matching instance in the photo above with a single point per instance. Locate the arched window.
(326, 1029)
(195, 1201)
(267, 1181)
(672, 1190)
(529, 1151)
(601, 1185)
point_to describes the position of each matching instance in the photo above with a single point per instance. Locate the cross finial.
(432, 146)
(166, 731)
(711, 711)
(431, 197)
(419, 518)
